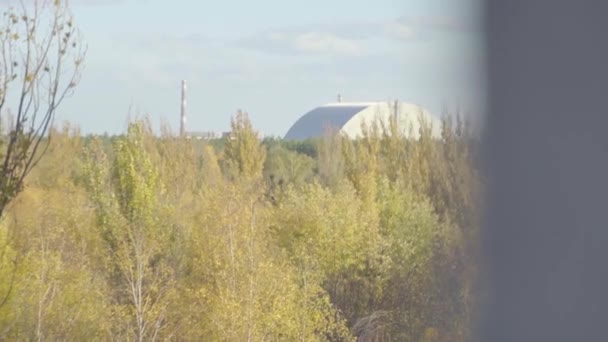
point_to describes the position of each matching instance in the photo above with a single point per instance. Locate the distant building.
(201, 135)
(227, 135)
(194, 135)
(347, 117)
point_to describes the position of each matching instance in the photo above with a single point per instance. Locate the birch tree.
(137, 240)
(41, 59)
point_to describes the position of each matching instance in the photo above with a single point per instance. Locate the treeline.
(141, 237)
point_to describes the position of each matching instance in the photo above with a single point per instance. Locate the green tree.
(56, 292)
(142, 237)
(284, 167)
(330, 158)
(137, 241)
(244, 153)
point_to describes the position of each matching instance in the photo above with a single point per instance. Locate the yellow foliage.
(141, 237)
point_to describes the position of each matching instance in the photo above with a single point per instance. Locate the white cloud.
(356, 38)
(277, 36)
(442, 23)
(351, 39)
(307, 42)
(399, 30)
(325, 43)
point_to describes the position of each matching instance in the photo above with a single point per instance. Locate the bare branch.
(41, 56)
(41, 50)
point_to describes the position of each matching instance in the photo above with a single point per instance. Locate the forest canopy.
(145, 237)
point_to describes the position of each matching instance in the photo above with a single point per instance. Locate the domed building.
(348, 117)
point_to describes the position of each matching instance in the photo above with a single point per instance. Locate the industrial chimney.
(396, 112)
(182, 127)
(396, 107)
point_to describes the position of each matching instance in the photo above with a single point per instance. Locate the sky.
(274, 59)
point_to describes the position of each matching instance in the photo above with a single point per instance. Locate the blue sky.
(274, 59)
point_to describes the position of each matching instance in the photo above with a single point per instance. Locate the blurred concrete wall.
(545, 242)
